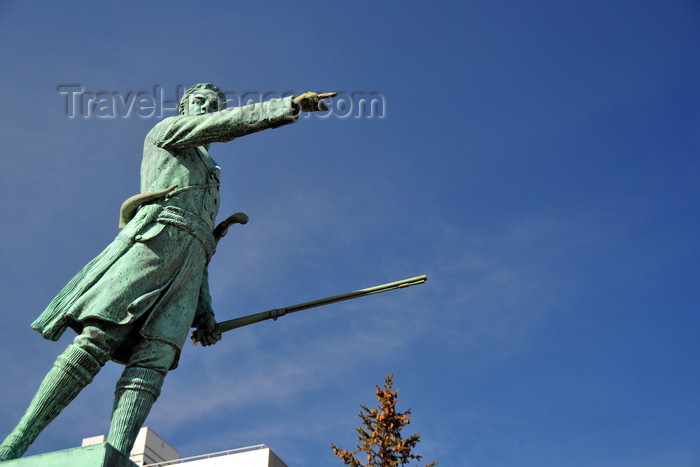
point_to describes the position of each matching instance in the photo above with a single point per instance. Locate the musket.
(226, 326)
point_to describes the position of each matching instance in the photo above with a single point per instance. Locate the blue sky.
(539, 162)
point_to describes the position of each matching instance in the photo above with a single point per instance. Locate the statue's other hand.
(312, 102)
(207, 330)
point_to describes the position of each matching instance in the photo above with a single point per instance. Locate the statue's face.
(202, 102)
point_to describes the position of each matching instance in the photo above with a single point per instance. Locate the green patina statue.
(136, 301)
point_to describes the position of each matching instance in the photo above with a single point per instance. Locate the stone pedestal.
(98, 455)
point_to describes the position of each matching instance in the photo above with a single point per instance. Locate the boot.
(73, 370)
(137, 390)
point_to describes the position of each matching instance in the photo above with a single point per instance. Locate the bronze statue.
(136, 301)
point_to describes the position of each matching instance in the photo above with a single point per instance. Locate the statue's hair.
(208, 86)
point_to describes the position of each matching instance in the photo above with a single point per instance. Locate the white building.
(153, 451)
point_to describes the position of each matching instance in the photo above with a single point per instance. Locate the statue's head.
(202, 95)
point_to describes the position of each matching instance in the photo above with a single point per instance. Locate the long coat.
(154, 273)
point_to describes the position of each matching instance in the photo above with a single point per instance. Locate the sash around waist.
(184, 220)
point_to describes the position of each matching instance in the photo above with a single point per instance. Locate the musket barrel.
(357, 294)
(231, 324)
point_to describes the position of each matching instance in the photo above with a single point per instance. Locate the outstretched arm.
(223, 126)
(219, 127)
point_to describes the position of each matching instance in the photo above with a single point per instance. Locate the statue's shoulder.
(166, 122)
(162, 128)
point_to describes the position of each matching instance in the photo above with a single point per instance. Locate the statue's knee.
(140, 379)
(98, 342)
(79, 363)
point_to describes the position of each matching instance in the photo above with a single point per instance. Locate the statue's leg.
(137, 390)
(72, 371)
